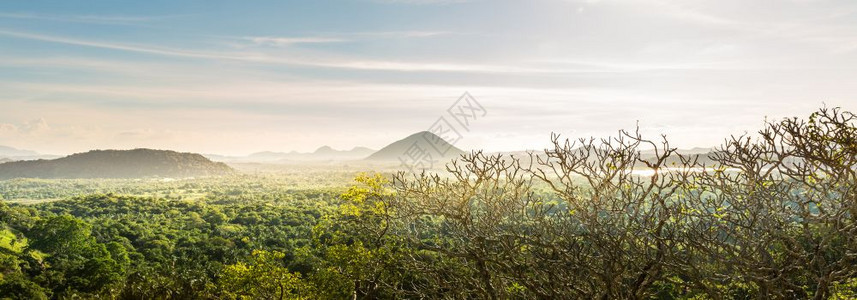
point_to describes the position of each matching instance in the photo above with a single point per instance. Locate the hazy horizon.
(233, 78)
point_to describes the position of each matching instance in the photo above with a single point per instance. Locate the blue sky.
(236, 77)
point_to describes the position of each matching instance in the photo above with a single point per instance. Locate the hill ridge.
(110, 163)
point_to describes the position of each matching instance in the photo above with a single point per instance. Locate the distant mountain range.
(135, 163)
(9, 152)
(12, 154)
(416, 149)
(421, 143)
(324, 153)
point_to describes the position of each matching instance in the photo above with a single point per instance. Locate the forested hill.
(135, 163)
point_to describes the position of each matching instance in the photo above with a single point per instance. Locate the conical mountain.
(416, 146)
(325, 150)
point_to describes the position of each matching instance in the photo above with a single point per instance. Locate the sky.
(237, 77)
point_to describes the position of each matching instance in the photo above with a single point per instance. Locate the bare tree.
(783, 222)
(773, 217)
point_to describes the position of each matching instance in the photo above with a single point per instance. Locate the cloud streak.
(287, 41)
(811, 30)
(113, 46)
(421, 2)
(354, 64)
(339, 37)
(88, 19)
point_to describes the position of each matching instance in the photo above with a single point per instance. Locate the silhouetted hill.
(423, 141)
(135, 163)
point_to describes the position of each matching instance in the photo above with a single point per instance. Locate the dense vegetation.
(773, 217)
(135, 163)
(257, 187)
(145, 248)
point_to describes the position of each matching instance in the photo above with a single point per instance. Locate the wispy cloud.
(108, 45)
(810, 30)
(621, 66)
(420, 2)
(339, 37)
(91, 19)
(310, 61)
(286, 41)
(403, 34)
